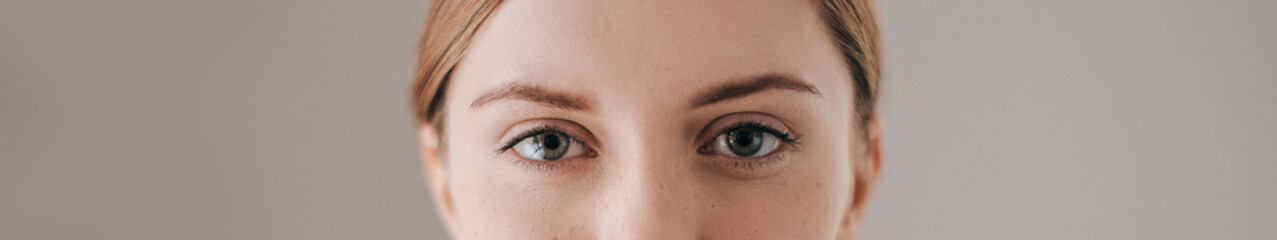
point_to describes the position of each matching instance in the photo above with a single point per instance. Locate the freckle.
(817, 184)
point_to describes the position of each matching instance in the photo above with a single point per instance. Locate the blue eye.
(548, 146)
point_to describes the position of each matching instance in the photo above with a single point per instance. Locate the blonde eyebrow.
(535, 94)
(745, 87)
(562, 100)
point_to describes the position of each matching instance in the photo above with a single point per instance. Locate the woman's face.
(584, 119)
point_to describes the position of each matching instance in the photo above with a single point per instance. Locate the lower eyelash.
(752, 164)
(542, 166)
(789, 140)
(546, 166)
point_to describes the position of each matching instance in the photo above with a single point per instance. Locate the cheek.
(804, 203)
(495, 201)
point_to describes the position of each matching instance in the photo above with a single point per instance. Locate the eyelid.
(528, 128)
(783, 135)
(751, 167)
(741, 165)
(748, 168)
(763, 121)
(510, 143)
(523, 130)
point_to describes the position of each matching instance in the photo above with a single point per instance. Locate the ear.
(865, 180)
(432, 165)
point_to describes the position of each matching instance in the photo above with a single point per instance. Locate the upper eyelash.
(533, 132)
(786, 137)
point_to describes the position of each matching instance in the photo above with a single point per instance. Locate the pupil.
(551, 141)
(743, 138)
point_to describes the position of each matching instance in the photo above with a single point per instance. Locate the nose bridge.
(652, 192)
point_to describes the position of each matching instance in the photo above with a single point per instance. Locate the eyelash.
(536, 131)
(789, 142)
(784, 136)
(539, 165)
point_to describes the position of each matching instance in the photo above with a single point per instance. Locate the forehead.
(671, 46)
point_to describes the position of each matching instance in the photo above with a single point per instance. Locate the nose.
(652, 195)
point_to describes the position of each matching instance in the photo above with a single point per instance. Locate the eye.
(746, 142)
(549, 146)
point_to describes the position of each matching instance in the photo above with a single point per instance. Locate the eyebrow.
(562, 100)
(751, 85)
(536, 94)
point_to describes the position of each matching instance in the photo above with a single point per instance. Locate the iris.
(744, 142)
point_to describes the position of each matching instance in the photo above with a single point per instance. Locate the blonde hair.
(450, 24)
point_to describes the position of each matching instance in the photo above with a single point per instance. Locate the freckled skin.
(640, 63)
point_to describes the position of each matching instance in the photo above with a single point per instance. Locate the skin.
(631, 73)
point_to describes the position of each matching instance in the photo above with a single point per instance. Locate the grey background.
(147, 119)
